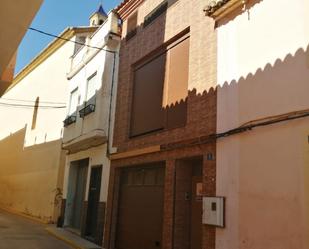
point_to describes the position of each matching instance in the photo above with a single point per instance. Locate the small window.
(81, 40)
(35, 113)
(131, 26)
(155, 13)
(73, 101)
(91, 87)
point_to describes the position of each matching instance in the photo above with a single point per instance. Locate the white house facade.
(88, 128)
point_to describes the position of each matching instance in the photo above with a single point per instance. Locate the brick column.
(169, 195)
(209, 189)
(111, 208)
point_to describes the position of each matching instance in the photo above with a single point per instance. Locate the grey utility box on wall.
(214, 211)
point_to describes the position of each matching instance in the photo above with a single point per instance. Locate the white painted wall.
(84, 64)
(30, 160)
(263, 70)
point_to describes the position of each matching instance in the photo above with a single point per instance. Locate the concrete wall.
(31, 159)
(263, 71)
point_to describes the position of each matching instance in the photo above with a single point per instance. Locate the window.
(73, 101)
(131, 26)
(89, 105)
(160, 90)
(35, 113)
(91, 87)
(153, 15)
(80, 40)
(147, 112)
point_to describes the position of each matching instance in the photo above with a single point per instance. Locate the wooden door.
(93, 201)
(196, 213)
(140, 212)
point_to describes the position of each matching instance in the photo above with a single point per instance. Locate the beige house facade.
(262, 101)
(33, 109)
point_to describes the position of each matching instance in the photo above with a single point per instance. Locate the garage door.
(140, 213)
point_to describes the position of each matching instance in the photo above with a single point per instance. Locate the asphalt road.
(18, 232)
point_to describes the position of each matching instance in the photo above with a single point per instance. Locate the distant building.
(32, 110)
(88, 127)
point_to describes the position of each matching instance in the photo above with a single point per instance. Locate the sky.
(53, 17)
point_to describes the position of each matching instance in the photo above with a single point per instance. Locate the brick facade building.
(166, 108)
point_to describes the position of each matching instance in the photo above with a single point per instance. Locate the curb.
(64, 239)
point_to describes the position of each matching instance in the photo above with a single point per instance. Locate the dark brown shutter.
(176, 88)
(147, 112)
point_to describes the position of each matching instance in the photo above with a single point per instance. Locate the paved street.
(17, 232)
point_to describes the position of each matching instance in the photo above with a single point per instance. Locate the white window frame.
(70, 110)
(92, 79)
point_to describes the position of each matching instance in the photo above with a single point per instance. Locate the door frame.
(71, 192)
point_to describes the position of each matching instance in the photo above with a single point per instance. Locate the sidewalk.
(70, 238)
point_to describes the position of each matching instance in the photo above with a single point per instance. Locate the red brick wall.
(201, 113)
(201, 109)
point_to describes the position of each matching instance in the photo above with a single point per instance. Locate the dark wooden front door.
(140, 212)
(196, 213)
(93, 202)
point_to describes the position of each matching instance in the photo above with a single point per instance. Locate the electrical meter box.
(214, 211)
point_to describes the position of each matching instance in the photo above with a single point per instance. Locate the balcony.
(88, 108)
(105, 34)
(70, 120)
(90, 128)
(85, 141)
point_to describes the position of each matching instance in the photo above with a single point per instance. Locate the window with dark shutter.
(147, 112)
(131, 26)
(160, 90)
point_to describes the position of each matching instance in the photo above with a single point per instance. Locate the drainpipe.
(110, 139)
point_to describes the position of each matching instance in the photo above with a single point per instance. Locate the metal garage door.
(140, 210)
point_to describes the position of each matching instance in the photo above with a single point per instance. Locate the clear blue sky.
(53, 17)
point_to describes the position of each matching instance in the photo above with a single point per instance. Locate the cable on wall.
(32, 101)
(69, 40)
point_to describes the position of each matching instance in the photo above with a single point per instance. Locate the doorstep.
(71, 238)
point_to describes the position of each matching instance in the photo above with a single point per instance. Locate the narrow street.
(18, 232)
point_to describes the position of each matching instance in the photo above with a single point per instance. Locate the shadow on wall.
(276, 89)
(29, 176)
(264, 169)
